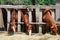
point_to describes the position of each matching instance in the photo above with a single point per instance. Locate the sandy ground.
(23, 36)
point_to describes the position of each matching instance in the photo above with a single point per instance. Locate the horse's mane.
(45, 11)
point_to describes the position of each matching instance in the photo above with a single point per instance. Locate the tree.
(45, 2)
(21, 2)
(3, 1)
(53, 2)
(26, 2)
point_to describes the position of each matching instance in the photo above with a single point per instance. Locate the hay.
(23, 36)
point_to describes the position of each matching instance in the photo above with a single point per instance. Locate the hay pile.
(23, 36)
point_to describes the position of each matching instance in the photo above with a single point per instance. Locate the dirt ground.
(23, 36)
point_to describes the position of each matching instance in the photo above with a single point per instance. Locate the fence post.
(8, 18)
(40, 21)
(19, 19)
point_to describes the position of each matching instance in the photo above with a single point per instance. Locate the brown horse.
(24, 16)
(12, 20)
(48, 19)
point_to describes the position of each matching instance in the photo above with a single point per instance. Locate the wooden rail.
(25, 7)
(29, 6)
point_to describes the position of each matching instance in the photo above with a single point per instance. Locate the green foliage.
(53, 2)
(28, 2)
(3, 1)
(22, 2)
(41, 2)
(46, 2)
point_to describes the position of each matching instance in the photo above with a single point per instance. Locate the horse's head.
(13, 13)
(46, 10)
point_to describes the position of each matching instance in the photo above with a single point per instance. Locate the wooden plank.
(37, 23)
(19, 20)
(8, 18)
(29, 6)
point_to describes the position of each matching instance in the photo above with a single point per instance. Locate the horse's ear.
(46, 9)
(50, 9)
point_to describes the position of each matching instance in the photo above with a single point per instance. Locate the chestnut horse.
(48, 19)
(24, 16)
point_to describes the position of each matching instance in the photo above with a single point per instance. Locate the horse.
(24, 16)
(48, 19)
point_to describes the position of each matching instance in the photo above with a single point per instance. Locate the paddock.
(54, 9)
